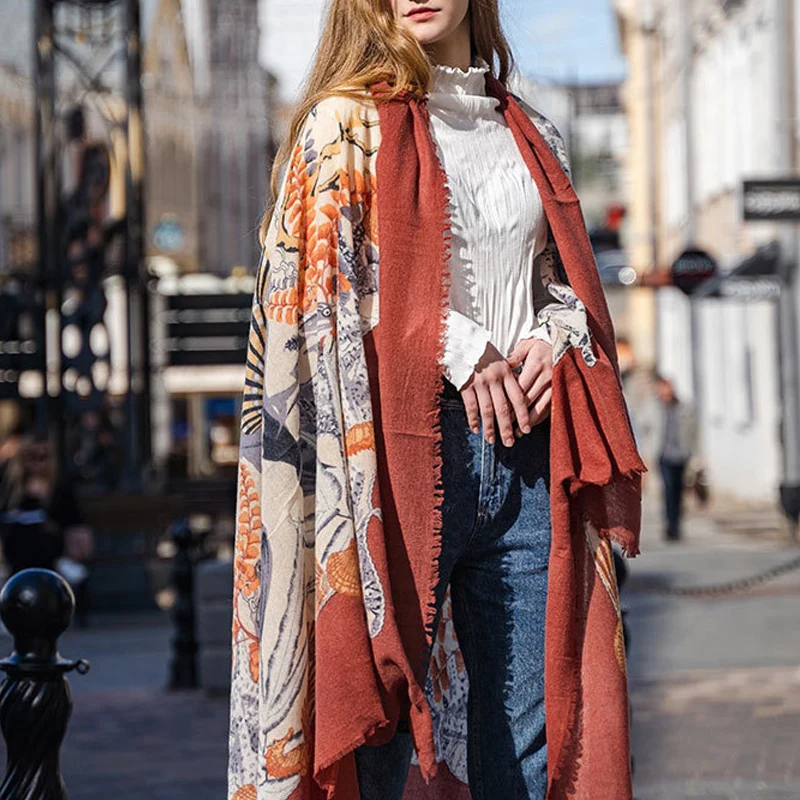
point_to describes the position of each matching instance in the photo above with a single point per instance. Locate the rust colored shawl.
(340, 480)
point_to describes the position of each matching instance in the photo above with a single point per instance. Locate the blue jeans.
(495, 550)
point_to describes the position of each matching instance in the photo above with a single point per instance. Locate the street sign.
(691, 268)
(208, 329)
(770, 200)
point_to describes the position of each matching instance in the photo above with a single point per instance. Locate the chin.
(426, 35)
(427, 41)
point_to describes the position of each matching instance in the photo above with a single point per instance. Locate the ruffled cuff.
(567, 325)
(539, 332)
(465, 343)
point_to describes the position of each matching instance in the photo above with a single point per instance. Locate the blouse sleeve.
(465, 343)
(564, 316)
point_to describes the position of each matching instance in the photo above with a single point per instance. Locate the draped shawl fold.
(339, 510)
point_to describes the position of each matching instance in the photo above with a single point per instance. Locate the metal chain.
(732, 587)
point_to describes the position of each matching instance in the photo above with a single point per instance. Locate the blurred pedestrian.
(29, 531)
(396, 513)
(41, 524)
(12, 440)
(8, 451)
(678, 442)
(93, 449)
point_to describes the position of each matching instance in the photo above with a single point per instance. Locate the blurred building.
(639, 100)
(709, 100)
(290, 32)
(209, 112)
(599, 133)
(209, 126)
(240, 144)
(209, 144)
(592, 120)
(17, 202)
(208, 115)
(175, 126)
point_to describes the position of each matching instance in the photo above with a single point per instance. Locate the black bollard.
(183, 672)
(36, 606)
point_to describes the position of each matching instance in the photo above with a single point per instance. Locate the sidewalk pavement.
(144, 744)
(715, 687)
(715, 682)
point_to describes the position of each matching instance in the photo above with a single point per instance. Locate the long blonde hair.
(362, 44)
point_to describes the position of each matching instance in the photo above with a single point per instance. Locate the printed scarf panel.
(307, 473)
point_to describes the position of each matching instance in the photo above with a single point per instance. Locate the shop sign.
(771, 200)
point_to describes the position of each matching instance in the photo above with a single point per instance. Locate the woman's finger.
(520, 353)
(473, 409)
(540, 410)
(543, 381)
(487, 411)
(519, 403)
(502, 412)
(531, 370)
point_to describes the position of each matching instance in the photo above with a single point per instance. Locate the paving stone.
(147, 744)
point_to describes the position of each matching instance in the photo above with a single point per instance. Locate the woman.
(423, 560)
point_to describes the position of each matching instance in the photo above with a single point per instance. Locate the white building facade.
(724, 107)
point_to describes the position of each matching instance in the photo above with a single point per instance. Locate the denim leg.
(495, 553)
(667, 477)
(383, 770)
(499, 591)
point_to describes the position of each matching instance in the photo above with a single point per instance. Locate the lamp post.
(56, 266)
(137, 438)
(48, 195)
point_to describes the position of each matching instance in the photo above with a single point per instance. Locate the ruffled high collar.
(461, 94)
(452, 80)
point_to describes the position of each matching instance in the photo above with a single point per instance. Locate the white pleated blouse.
(498, 224)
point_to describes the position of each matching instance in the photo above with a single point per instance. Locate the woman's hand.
(492, 395)
(535, 357)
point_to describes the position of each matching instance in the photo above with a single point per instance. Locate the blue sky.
(564, 39)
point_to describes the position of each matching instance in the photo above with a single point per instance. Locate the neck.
(455, 50)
